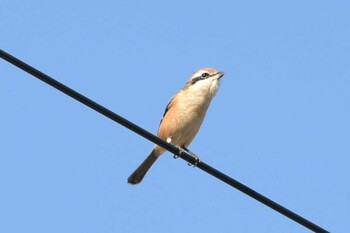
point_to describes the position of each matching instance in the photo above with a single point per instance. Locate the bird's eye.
(205, 75)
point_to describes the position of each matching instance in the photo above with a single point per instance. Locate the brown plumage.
(183, 116)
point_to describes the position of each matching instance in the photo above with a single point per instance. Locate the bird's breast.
(183, 120)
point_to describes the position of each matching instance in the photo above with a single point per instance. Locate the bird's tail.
(137, 176)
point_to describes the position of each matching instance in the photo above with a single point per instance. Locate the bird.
(183, 116)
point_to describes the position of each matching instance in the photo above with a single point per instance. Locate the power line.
(151, 137)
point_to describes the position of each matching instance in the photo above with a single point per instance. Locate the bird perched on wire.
(183, 116)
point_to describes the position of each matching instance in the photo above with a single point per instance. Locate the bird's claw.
(196, 158)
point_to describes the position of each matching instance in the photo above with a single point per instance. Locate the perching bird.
(183, 116)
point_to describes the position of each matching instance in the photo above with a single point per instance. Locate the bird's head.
(205, 80)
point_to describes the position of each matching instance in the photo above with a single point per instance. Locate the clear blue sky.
(279, 123)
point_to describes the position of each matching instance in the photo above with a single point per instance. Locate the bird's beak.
(220, 74)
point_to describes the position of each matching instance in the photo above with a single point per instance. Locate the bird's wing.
(169, 105)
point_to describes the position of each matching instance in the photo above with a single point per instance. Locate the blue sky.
(279, 123)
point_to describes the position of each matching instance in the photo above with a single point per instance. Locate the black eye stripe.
(196, 80)
(201, 77)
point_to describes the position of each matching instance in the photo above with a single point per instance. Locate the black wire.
(181, 153)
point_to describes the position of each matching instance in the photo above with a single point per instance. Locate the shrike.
(183, 116)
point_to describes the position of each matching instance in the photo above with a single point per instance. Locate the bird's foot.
(181, 149)
(175, 156)
(196, 158)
